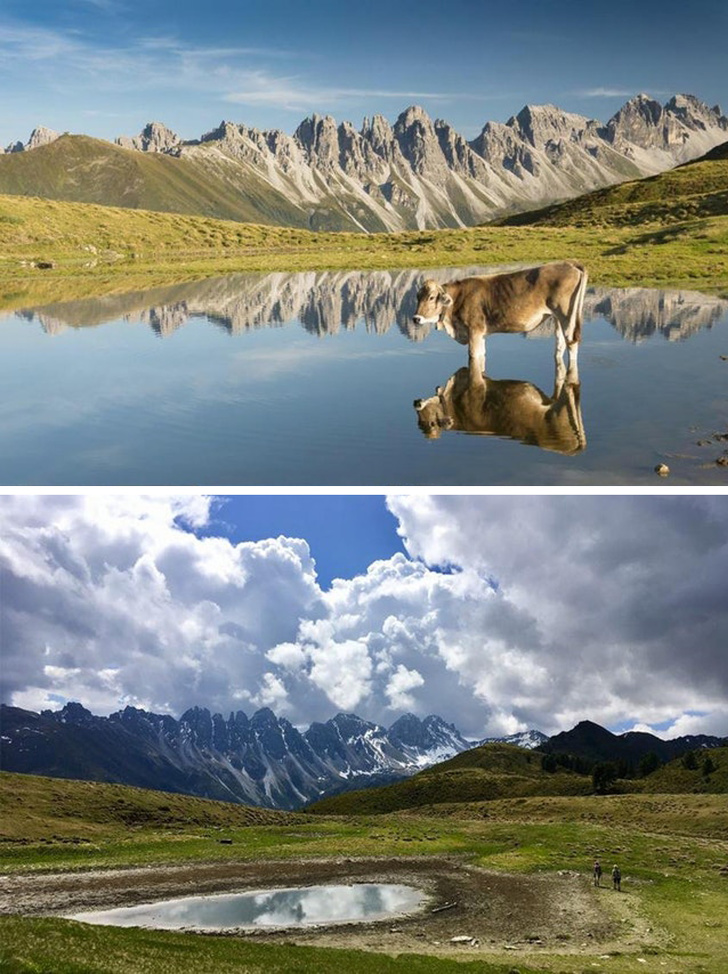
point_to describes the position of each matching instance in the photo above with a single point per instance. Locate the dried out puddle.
(486, 911)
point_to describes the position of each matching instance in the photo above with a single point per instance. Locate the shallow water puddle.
(305, 907)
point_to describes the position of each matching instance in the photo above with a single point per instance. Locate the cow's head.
(432, 301)
(432, 417)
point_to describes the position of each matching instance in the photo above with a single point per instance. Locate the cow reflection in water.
(471, 402)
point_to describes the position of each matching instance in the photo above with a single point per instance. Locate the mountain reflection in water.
(325, 303)
(306, 907)
(119, 405)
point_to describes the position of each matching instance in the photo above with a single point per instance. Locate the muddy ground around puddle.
(553, 912)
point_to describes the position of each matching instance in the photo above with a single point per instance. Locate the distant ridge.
(414, 174)
(697, 188)
(593, 743)
(264, 760)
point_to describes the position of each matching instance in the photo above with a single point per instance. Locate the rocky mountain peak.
(71, 713)
(350, 726)
(678, 127)
(407, 729)
(225, 131)
(376, 130)
(415, 133)
(198, 721)
(319, 138)
(414, 115)
(39, 136)
(154, 137)
(694, 113)
(636, 121)
(539, 124)
(264, 718)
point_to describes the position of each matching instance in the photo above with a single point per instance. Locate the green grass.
(673, 850)
(674, 778)
(31, 804)
(101, 250)
(698, 189)
(495, 771)
(47, 946)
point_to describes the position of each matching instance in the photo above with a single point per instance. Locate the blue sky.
(105, 67)
(345, 533)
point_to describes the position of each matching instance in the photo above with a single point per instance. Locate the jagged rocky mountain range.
(261, 760)
(326, 303)
(264, 760)
(420, 173)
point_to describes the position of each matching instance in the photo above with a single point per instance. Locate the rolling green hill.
(696, 189)
(675, 778)
(485, 773)
(33, 807)
(79, 169)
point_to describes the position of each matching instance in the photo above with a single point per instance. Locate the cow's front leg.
(572, 375)
(560, 342)
(476, 346)
(559, 377)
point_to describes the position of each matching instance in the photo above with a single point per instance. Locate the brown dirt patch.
(560, 913)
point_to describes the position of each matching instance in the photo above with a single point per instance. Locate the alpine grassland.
(667, 231)
(672, 849)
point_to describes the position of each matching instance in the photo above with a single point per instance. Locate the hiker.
(597, 873)
(616, 877)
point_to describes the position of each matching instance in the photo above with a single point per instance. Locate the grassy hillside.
(696, 189)
(33, 807)
(493, 771)
(99, 250)
(674, 778)
(496, 772)
(80, 169)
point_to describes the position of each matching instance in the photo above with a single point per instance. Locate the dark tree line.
(605, 773)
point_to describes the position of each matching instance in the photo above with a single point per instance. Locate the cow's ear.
(439, 391)
(446, 299)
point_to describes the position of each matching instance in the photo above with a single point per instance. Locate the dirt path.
(560, 913)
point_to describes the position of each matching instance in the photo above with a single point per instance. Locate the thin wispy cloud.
(606, 93)
(295, 94)
(105, 6)
(620, 92)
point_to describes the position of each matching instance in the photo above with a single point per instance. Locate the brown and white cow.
(471, 308)
(471, 402)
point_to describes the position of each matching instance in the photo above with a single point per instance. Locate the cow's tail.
(577, 309)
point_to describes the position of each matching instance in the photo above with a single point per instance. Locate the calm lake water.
(267, 908)
(309, 379)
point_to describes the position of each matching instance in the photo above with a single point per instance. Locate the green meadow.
(673, 850)
(99, 250)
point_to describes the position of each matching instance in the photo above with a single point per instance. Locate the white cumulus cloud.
(506, 613)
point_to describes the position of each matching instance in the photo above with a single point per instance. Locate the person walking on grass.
(597, 873)
(616, 877)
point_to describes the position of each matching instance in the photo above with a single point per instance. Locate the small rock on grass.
(662, 469)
